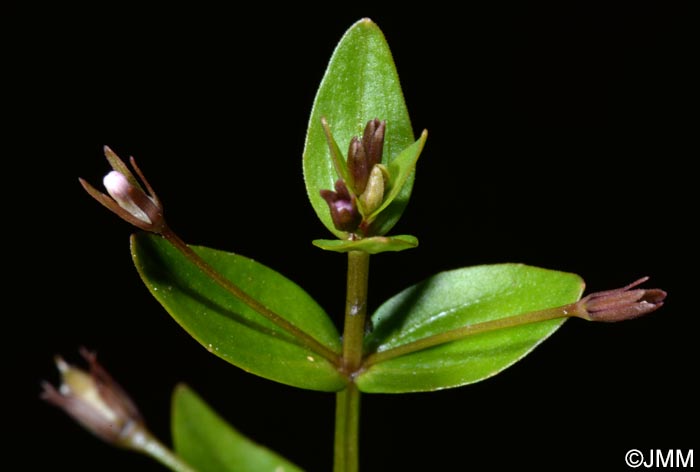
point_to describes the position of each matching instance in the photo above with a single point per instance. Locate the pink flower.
(126, 196)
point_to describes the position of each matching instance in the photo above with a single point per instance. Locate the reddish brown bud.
(365, 153)
(373, 140)
(621, 304)
(343, 207)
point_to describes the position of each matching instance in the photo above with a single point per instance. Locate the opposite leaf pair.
(454, 328)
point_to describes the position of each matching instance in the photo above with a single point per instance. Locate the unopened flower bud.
(620, 304)
(96, 401)
(126, 196)
(373, 196)
(365, 153)
(373, 140)
(343, 207)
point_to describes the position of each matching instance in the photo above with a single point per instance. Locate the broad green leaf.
(373, 245)
(457, 298)
(360, 84)
(209, 444)
(229, 328)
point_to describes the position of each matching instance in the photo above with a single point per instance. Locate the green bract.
(209, 444)
(373, 245)
(459, 298)
(230, 329)
(360, 84)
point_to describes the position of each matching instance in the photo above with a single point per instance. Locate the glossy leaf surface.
(457, 298)
(229, 328)
(360, 84)
(209, 444)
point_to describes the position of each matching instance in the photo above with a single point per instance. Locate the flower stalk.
(143, 209)
(94, 400)
(301, 336)
(607, 306)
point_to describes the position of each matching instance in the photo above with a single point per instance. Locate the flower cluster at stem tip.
(358, 196)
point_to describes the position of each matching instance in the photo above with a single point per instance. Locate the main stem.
(347, 429)
(347, 419)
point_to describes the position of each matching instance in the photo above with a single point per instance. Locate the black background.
(560, 136)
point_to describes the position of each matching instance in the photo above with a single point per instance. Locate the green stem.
(470, 330)
(304, 338)
(144, 442)
(347, 428)
(355, 310)
(347, 418)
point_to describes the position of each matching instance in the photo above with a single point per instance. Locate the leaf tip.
(180, 388)
(180, 391)
(365, 22)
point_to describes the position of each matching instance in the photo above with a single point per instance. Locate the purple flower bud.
(358, 165)
(126, 196)
(365, 153)
(343, 207)
(373, 141)
(620, 304)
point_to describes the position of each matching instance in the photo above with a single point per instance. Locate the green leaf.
(360, 84)
(229, 328)
(373, 245)
(209, 444)
(457, 298)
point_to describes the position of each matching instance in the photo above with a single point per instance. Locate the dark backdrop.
(559, 137)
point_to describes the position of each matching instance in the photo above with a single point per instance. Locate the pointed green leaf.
(229, 328)
(209, 444)
(360, 84)
(336, 154)
(457, 298)
(373, 245)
